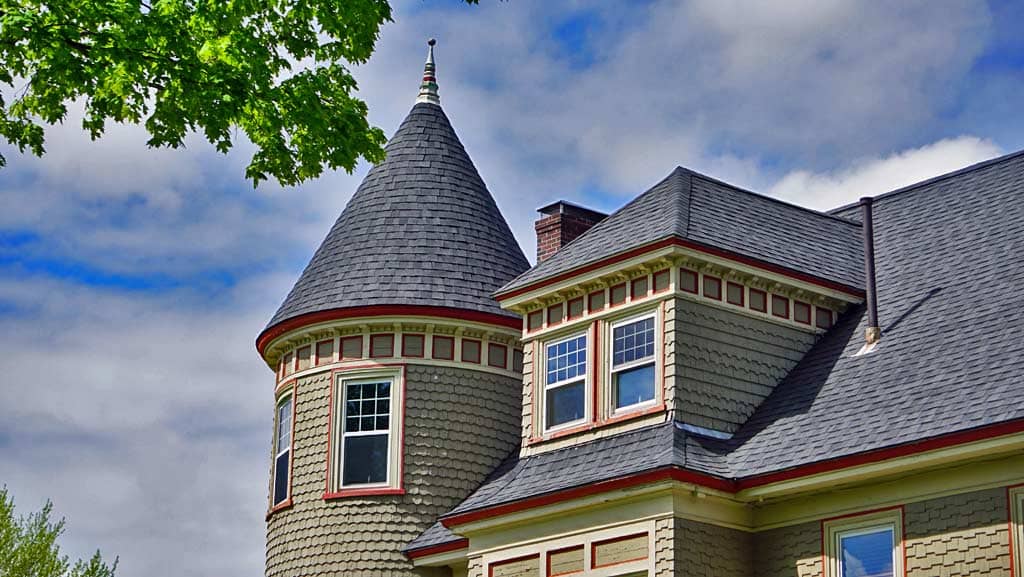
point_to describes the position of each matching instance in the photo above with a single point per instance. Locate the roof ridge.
(826, 215)
(929, 181)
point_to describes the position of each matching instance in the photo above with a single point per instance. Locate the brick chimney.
(560, 224)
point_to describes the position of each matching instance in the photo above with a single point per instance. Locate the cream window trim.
(657, 360)
(1016, 497)
(394, 430)
(585, 377)
(835, 530)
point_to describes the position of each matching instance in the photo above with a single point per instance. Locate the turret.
(398, 377)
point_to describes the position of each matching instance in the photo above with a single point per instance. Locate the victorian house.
(706, 382)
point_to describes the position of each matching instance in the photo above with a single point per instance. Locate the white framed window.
(282, 451)
(1016, 504)
(366, 438)
(633, 363)
(869, 545)
(565, 382)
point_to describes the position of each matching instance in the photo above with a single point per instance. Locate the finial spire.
(428, 88)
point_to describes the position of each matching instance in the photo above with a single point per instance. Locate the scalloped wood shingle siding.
(960, 535)
(459, 425)
(727, 363)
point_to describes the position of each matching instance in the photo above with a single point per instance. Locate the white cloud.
(871, 177)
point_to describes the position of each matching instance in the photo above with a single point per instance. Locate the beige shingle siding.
(958, 536)
(703, 550)
(727, 363)
(527, 388)
(793, 551)
(459, 425)
(664, 548)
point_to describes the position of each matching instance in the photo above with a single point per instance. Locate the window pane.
(567, 359)
(565, 404)
(633, 341)
(867, 554)
(366, 460)
(281, 477)
(284, 425)
(634, 386)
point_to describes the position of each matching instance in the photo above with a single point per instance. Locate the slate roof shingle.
(948, 256)
(421, 229)
(693, 207)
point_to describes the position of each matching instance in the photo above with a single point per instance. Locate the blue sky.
(133, 281)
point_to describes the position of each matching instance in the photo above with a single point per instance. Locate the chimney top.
(566, 207)
(561, 223)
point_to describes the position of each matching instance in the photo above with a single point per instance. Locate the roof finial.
(428, 88)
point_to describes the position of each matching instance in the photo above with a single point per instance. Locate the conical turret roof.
(422, 230)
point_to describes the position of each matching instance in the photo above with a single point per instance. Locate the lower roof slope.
(951, 358)
(422, 229)
(690, 206)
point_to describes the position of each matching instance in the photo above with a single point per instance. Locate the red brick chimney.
(561, 224)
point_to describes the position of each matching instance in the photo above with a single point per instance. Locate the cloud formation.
(133, 281)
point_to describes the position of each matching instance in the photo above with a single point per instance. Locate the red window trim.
(696, 281)
(743, 296)
(704, 287)
(529, 324)
(831, 317)
(391, 337)
(810, 312)
(316, 352)
(561, 316)
(341, 347)
(480, 352)
(423, 351)
(433, 348)
(590, 301)
(772, 306)
(594, 545)
(343, 493)
(493, 564)
(764, 294)
(625, 294)
(1009, 525)
(568, 309)
(503, 357)
(632, 287)
(328, 494)
(654, 283)
(563, 550)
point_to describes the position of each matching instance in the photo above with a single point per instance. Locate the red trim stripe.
(271, 333)
(734, 485)
(673, 241)
(438, 549)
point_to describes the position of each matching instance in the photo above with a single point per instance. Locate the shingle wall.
(664, 547)
(727, 363)
(793, 551)
(703, 550)
(957, 536)
(459, 425)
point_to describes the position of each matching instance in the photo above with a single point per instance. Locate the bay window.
(633, 362)
(565, 382)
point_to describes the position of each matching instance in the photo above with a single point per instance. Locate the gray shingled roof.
(436, 534)
(694, 207)
(951, 357)
(421, 229)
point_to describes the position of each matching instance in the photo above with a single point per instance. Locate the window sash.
(836, 530)
(383, 432)
(647, 359)
(580, 377)
(882, 528)
(283, 438)
(282, 452)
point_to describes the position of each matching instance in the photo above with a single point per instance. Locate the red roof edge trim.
(663, 474)
(271, 333)
(676, 241)
(734, 486)
(438, 549)
(884, 454)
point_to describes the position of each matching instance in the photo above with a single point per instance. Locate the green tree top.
(275, 69)
(28, 546)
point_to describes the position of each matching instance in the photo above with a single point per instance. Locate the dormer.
(690, 303)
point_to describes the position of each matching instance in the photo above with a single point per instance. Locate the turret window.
(632, 362)
(565, 381)
(282, 451)
(365, 453)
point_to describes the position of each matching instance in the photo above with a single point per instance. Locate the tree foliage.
(274, 69)
(28, 546)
